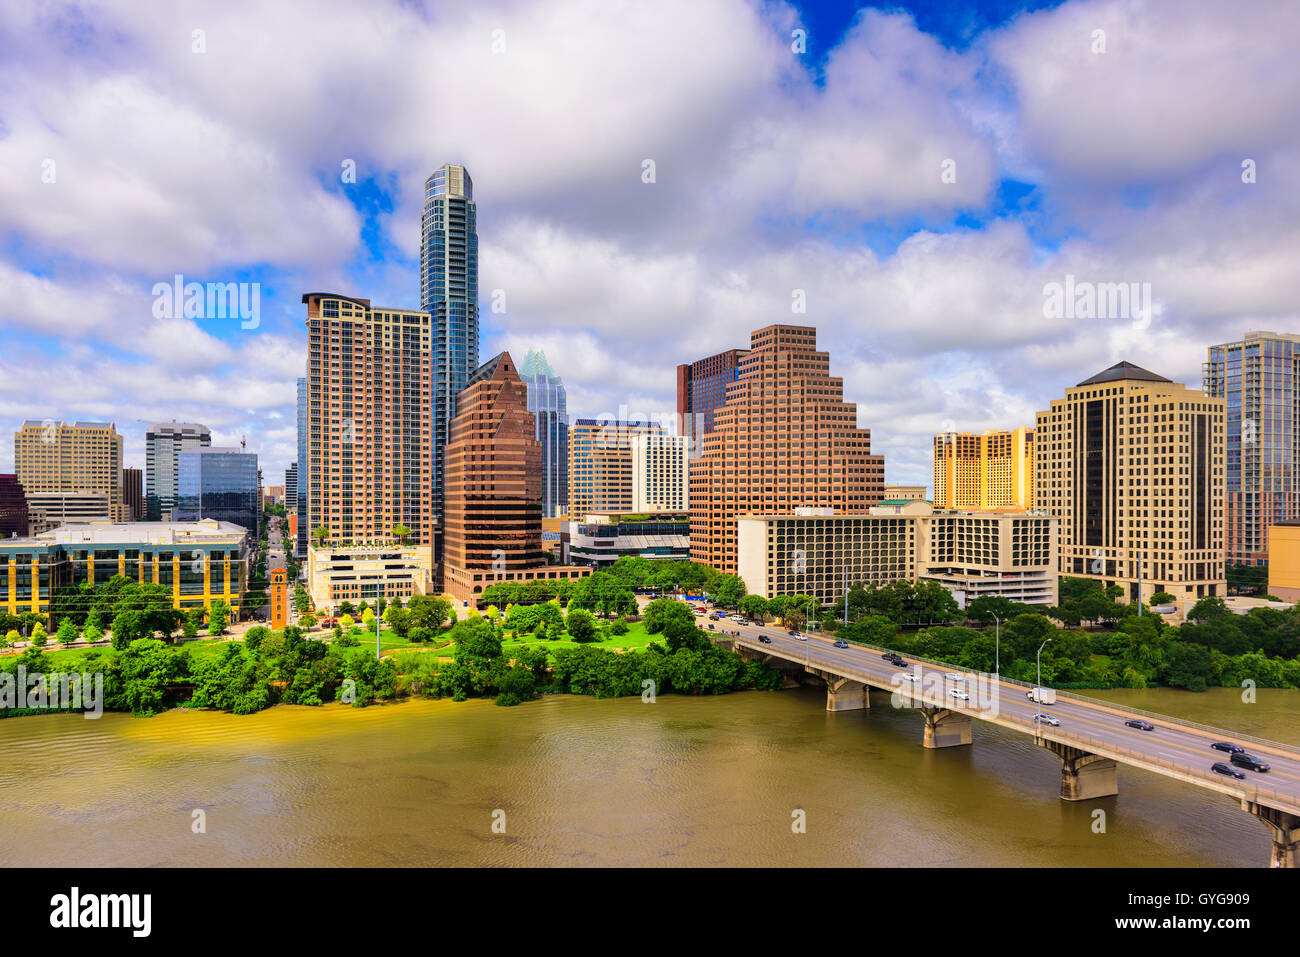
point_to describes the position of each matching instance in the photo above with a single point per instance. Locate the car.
(1227, 746)
(699, 611)
(1047, 719)
(959, 695)
(710, 626)
(910, 677)
(1248, 761)
(798, 637)
(763, 639)
(954, 676)
(1220, 768)
(893, 659)
(841, 644)
(1139, 724)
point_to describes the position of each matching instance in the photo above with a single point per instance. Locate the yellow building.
(990, 471)
(71, 472)
(601, 465)
(1284, 560)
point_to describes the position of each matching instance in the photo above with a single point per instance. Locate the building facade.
(367, 573)
(218, 484)
(1257, 377)
(163, 444)
(815, 552)
(493, 510)
(600, 464)
(198, 562)
(369, 373)
(660, 473)
(291, 489)
(548, 403)
(14, 516)
(133, 494)
(1133, 466)
(701, 391)
(990, 470)
(601, 540)
(785, 438)
(72, 473)
(301, 528)
(908, 493)
(449, 294)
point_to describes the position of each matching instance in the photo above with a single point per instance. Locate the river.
(580, 781)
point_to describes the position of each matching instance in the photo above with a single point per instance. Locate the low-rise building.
(814, 552)
(366, 573)
(601, 540)
(1284, 560)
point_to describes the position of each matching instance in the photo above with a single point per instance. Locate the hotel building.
(660, 473)
(992, 470)
(72, 473)
(784, 439)
(1133, 466)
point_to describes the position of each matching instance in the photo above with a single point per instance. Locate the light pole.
(378, 623)
(1038, 688)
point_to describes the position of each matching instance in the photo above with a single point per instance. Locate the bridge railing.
(1222, 733)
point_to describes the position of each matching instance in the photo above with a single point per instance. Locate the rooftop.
(1124, 371)
(138, 533)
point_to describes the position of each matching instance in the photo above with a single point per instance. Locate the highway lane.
(1187, 748)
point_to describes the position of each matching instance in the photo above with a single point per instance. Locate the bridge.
(1091, 739)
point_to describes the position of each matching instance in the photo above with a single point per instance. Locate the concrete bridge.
(1091, 739)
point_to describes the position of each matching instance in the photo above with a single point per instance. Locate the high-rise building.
(1133, 466)
(220, 484)
(991, 470)
(163, 444)
(133, 494)
(1258, 377)
(449, 294)
(13, 508)
(600, 465)
(301, 527)
(73, 473)
(291, 488)
(701, 390)
(660, 473)
(368, 421)
(493, 515)
(784, 439)
(547, 402)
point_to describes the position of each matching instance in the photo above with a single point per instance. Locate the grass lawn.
(636, 639)
(68, 659)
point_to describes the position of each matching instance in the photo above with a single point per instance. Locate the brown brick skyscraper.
(784, 438)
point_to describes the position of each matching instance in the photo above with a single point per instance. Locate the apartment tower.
(784, 439)
(988, 471)
(303, 529)
(660, 474)
(73, 473)
(1133, 466)
(368, 423)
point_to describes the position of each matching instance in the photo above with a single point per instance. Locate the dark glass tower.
(547, 402)
(449, 293)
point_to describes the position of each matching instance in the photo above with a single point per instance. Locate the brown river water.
(579, 781)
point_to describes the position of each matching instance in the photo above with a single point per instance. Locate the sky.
(919, 176)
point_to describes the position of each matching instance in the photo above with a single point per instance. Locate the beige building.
(815, 551)
(600, 464)
(335, 575)
(660, 473)
(1133, 466)
(991, 470)
(73, 473)
(907, 493)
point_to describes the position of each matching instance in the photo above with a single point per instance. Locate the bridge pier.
(842, 694)
(944, 728)
(1084, 775)
(1286, 833)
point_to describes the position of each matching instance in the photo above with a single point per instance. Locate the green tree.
(218, 617)
(754, 607)
(581, 625)
(67, 632)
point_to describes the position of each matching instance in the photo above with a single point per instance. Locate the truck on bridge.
(1042, 695)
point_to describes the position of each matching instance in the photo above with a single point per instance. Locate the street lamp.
(997, 646)
(1038, 688)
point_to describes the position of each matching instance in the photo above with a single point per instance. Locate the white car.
(910, 677)
(1047, 719)
(798, 637)
(960, 695)
(954, 676)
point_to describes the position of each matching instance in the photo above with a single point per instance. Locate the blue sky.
(139, 141)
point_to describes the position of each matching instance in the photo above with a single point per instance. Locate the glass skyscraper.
(163, 444)
(547, 402)
(218, 483)
(449, 293)
(1257, 378)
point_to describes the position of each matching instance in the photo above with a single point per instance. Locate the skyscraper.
(784, 439)
(133, 494)
(449, 294)
(73, 473)
(701, 390)
(13, 508)
(1258, 377)
(547, 402)
(660, 473)
(1132, 465)
(220, 484)
(368, 430)
(291, 488)
(600, 465)
(163, 443)
(300, 547)
(993, 470)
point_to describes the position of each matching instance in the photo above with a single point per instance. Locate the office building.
(449, 294)
(133, 494)
(1133, 466)
(368, 422)
(660, 473)
(197, 562)
(547, 402)
(1257, 377)
(13, 508)
(815, 551)
(600, 464)
(218, 484)
(163, 444)
(73, 473)
(601, 540)
(991, 470)
(784, 439)
(701, 390)
(493, 513)
(291, 489)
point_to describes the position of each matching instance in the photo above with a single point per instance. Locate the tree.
(218, 617)
(663, 611)
(729, 590)
(1211, 606)
(1163, 598)
(320, 535)
(581, 625)
(192, 623)
(401, 533)
(38, 635)
(754, 607)
(67, 632)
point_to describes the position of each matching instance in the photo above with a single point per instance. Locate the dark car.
(1227, 746)
(892, 658)
(1248, 761)
(764, 639)
(1140, 724)
(841, 644)
(1220, 768)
